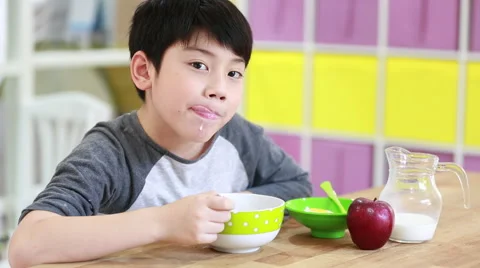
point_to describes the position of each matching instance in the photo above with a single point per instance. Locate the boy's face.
(198, 88)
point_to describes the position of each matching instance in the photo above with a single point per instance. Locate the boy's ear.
(141, 71)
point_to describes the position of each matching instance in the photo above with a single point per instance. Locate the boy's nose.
(216, 91)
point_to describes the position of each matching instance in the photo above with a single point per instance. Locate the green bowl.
(322, 225)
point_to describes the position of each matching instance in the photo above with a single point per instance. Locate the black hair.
(158, 24)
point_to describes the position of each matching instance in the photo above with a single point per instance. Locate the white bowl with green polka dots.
(255, 222)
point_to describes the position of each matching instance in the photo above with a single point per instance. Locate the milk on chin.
(411, 227)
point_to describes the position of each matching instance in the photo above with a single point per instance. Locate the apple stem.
(375, 199)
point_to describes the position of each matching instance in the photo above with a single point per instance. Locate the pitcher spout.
(397, 156)
(401, 158)
(395, 151)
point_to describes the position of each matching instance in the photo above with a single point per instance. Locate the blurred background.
(334, 82)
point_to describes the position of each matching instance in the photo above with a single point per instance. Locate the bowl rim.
(282, 202)
(289, 208)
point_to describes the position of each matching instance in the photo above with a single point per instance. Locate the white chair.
(2, 149)
(60, 121)
(3, 182)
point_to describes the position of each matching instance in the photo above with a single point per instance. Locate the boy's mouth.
(205, 112)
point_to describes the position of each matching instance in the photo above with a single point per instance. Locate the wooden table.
(456, 244)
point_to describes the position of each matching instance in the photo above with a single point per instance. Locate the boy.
(159, 169)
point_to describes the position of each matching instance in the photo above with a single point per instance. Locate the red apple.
(370, 223)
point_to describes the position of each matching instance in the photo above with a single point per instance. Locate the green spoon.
(327, 187)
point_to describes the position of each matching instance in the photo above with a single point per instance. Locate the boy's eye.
(199, 65)
(234, 74)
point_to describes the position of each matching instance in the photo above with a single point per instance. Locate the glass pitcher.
(413, 194)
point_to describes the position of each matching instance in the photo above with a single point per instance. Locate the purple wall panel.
(346, 21)
(276, 20)
(424, 24)
(291, 144)
(475, 26)
(472, 163)
(348, 166)
(326, 165)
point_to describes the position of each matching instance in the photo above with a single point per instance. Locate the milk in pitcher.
(413, 228)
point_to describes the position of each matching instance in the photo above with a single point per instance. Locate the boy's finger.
(207, 238)
(210, 193)
(220, 203)
(219, 216)
(215, 228)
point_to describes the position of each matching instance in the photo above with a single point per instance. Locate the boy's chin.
(203, 140)
(201, 137)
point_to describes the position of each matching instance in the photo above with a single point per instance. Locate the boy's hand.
(196, 219)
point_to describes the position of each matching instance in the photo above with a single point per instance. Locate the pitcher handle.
(462, 176)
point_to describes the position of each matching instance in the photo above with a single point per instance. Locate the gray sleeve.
(277, 174)
(87, 180)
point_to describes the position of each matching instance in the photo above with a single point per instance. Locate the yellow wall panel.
(472, 120)
(274, 88)
(344, 93)
(421, 98)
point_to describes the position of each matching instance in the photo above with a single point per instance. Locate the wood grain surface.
(456, 244)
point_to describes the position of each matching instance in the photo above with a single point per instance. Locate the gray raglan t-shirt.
(117, 168)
